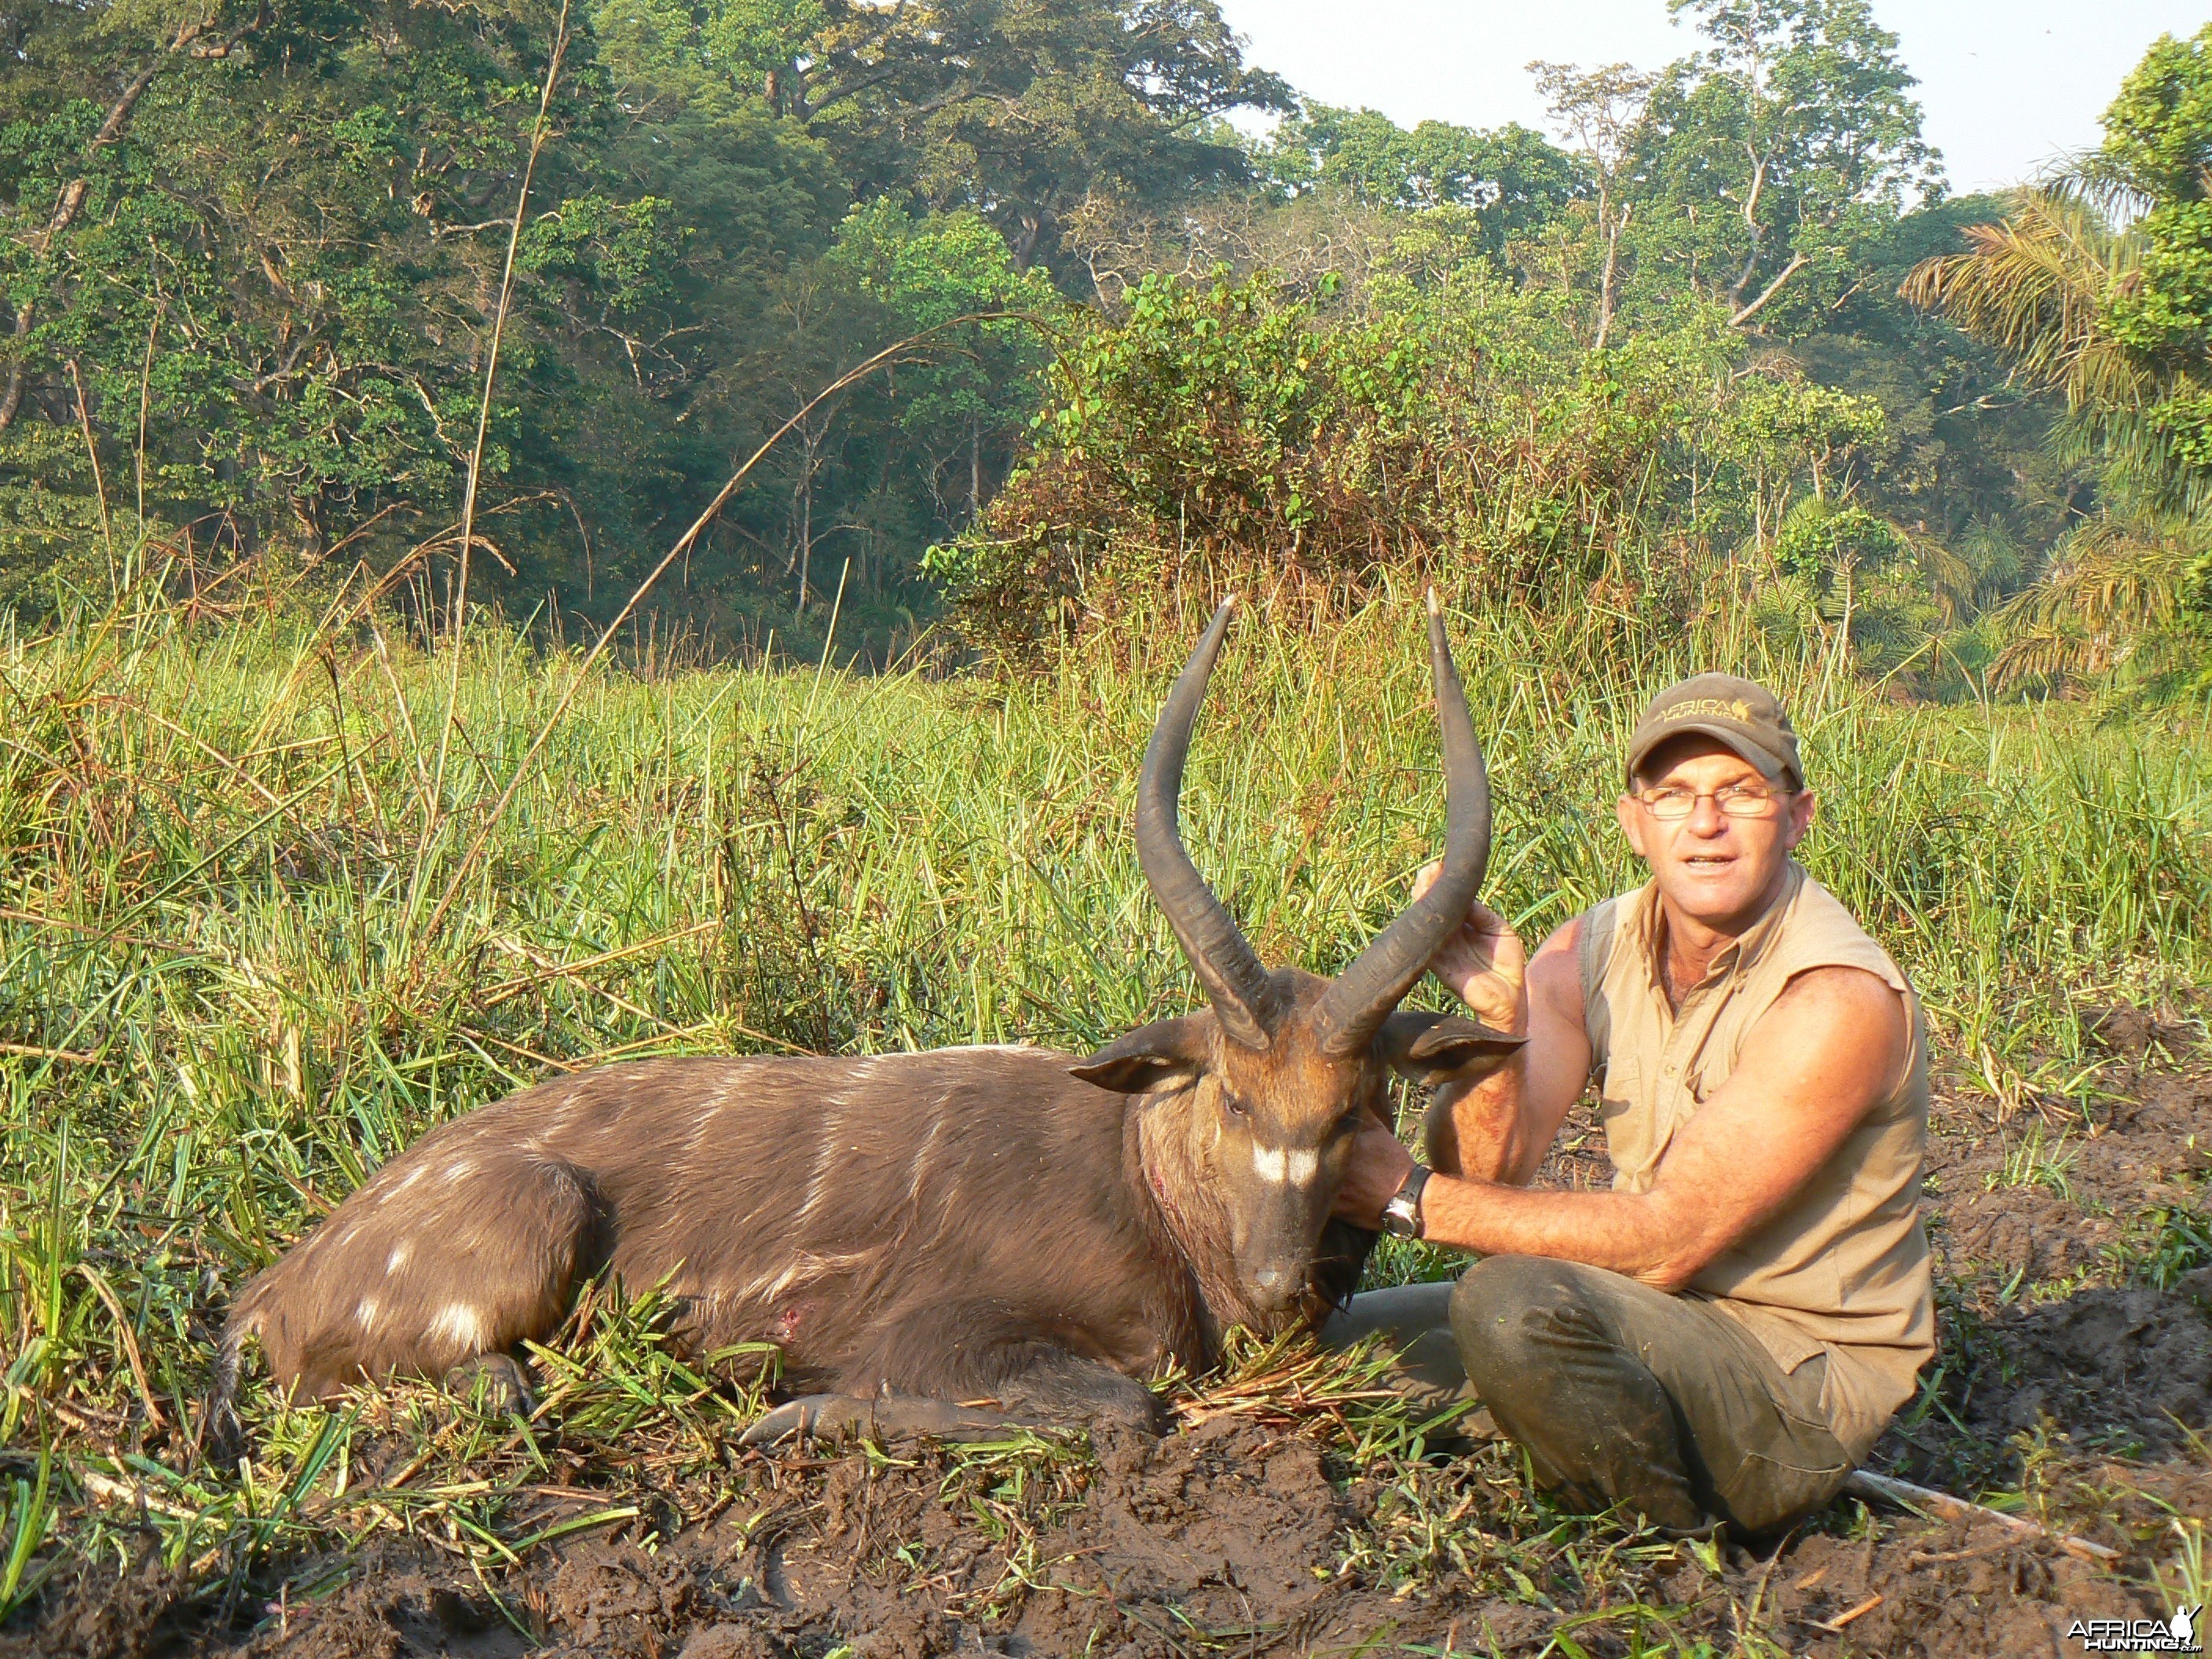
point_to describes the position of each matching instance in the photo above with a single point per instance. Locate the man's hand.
(1482, 963)
(1379, 1163)
(1834, 1045)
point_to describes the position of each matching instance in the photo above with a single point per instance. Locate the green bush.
(1319, 445)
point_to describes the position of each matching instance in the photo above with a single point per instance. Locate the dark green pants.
(1621, 1394)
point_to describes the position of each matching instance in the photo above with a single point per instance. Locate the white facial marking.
(461, 1325)
(1285, 1165)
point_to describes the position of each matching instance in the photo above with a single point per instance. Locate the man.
(1725, 1332)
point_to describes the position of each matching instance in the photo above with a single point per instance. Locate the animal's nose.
(1268, 1277)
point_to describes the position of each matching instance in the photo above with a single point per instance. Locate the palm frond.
(2113, 593)
(2037, 285)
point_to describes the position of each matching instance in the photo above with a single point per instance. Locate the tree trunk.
(1758, 235)
(808, 464)
(974, 470)
(805, 535)
(1607, 280)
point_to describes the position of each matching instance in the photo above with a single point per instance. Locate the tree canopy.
(260, 258)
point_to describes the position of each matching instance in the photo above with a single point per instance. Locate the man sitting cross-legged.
(1721, 1335)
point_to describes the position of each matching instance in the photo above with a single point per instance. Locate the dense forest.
(489, 300)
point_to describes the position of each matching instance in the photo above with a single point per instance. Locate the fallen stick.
(27, 1052)
(1864, 1484)
(1843, 1618)
(118, 1492)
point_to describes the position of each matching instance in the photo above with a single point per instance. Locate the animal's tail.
(222, 1432)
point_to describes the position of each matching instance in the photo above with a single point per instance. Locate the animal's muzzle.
(1274, 1285)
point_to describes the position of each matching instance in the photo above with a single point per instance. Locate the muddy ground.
(2070, 1374)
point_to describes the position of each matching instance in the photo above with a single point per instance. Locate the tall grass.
(222, 1005)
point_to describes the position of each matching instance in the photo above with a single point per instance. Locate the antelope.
(1038, 1230)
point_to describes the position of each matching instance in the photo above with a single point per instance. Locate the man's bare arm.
(1833, 1045)
(1499, 1129)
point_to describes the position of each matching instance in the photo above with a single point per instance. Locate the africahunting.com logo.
(2177, 1635)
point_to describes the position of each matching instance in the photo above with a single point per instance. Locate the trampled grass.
(255, 943)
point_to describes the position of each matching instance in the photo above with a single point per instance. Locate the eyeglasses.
(1670, 802)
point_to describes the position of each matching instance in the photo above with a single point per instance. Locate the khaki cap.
(1740, 713)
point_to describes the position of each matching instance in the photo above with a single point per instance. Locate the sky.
(2005, 86)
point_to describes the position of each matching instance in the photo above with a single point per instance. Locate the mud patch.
(2103, 1365)
(399, 1603)
(1231, 1540)
(93, 1612)
(2074, 1274)
(1220, 1531)
(1958, 1591)
(2056, 1191)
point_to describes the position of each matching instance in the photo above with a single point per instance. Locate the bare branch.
(1797, 262)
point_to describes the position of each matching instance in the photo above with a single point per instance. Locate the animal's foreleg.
(952, 1371)
(990, 1351)
(883, 1416)
(1056, 1386)
(220, 1429)
(1040, 1386)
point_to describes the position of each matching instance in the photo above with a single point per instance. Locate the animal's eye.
(1236, 1108)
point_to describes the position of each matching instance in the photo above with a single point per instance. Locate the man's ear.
(1804, 808)
(1630, 817)
(1440, 1048)
(1166, 1051)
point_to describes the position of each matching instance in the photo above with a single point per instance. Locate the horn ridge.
(1353, 1008)
(1236, 982)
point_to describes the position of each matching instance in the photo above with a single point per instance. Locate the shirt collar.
(1644, 918)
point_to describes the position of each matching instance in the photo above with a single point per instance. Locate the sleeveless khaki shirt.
(1843, 1270)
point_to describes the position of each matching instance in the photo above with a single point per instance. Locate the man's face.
(1713, 866)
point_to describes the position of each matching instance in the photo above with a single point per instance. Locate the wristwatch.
(1402, 1214)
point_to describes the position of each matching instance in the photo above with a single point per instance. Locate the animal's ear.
(1436, 1047)
(1166, 1051)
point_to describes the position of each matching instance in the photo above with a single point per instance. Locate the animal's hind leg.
(504, 1272)
(435, 1269)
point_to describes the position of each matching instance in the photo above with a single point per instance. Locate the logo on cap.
(1728, 708)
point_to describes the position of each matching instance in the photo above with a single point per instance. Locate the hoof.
(809, 1416)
